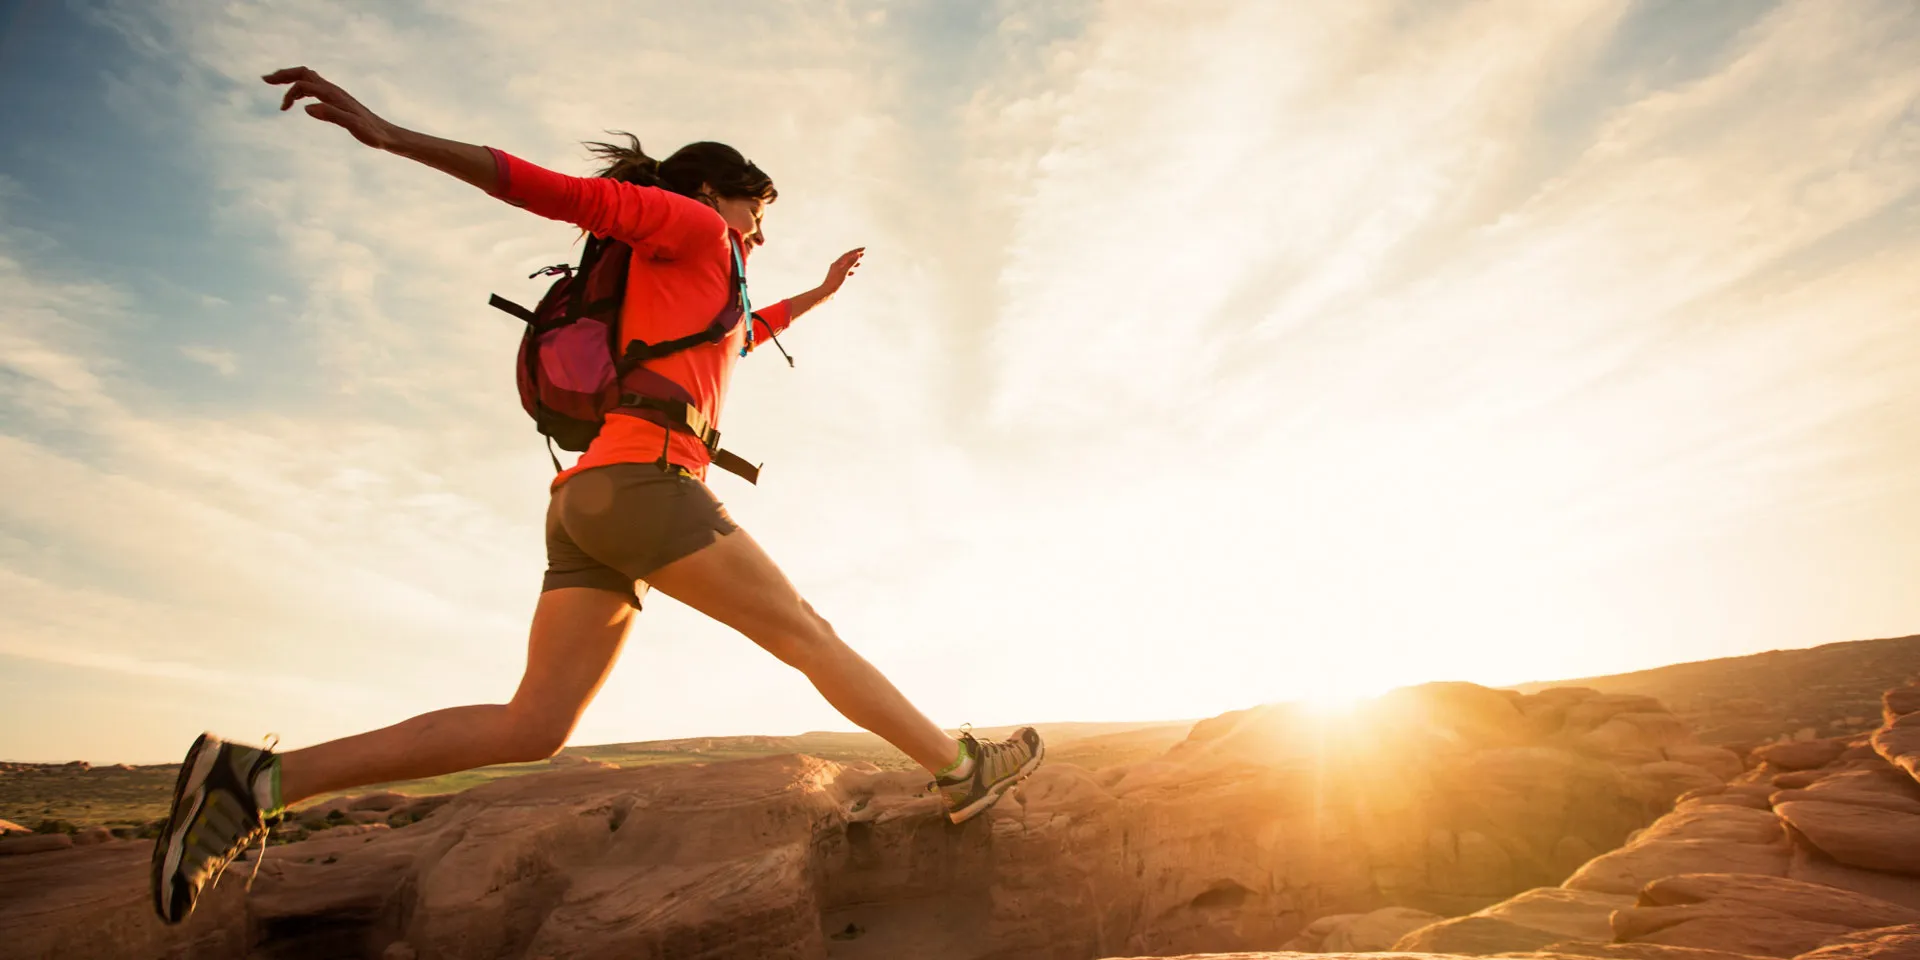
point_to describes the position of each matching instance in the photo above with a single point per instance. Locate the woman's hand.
(836, 275)
(333, 105)
(842, 269)
(464, 161)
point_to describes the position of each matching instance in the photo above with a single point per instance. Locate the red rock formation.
(1639, 951)
(1890, 943)
(1814, 853)
(92, 902)
(24, 843)
(1802, 754)
(1359, 932)
(1550, 954)
(1446, 798)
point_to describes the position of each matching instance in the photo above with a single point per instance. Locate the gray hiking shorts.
(611, 526)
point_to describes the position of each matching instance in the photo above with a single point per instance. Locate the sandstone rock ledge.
(1433, 801)
(1814, 853)
(1543, 955)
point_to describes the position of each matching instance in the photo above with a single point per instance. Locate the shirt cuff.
(769, 321)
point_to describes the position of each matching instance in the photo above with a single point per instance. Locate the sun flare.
(1334, 702)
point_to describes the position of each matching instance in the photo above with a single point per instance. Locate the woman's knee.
(536, 736)
(800, 638)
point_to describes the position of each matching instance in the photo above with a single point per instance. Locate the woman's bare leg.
(735, 582)
(577, 632)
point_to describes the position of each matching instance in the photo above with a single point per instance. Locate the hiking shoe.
(997, 766)
(214, 818)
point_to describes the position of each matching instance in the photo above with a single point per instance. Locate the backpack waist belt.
(688, 418)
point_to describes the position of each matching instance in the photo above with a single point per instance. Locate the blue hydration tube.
(746, 308)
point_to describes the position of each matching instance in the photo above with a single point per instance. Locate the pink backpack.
(572, 372)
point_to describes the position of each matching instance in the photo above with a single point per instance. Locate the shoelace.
(260, 832)
(258, 858)
(991, 752)
(217, 866)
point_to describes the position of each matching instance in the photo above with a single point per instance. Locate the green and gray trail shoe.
(214, 818)
(997, 765)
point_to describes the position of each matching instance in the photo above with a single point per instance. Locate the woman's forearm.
(800, 303)
(837, 274)
(463, 161)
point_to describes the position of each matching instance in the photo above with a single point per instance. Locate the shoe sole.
(994, 792)
(170, 846)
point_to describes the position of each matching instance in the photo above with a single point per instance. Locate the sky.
(1206, 354)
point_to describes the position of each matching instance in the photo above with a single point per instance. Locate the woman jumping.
(633, 514)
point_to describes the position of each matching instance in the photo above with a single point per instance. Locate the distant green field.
(104, 797)
(67, 797)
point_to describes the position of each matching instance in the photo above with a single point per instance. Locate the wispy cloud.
(222, 361)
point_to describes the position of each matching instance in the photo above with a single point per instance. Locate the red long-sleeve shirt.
(680, 278)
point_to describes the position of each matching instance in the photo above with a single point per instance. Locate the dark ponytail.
(715, 164)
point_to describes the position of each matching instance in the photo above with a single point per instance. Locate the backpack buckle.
(638, 352)
(701, 429)
(554, 270)
(684, 415)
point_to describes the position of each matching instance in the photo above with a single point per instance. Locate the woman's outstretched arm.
(777, 318)
(463, 161)
(837, 274)
(639, 216)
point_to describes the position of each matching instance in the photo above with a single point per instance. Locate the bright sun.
(1333, 701)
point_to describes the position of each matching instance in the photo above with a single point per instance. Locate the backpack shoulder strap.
(586, 290)
(602, 278)
(638, 351)
(499, 302)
